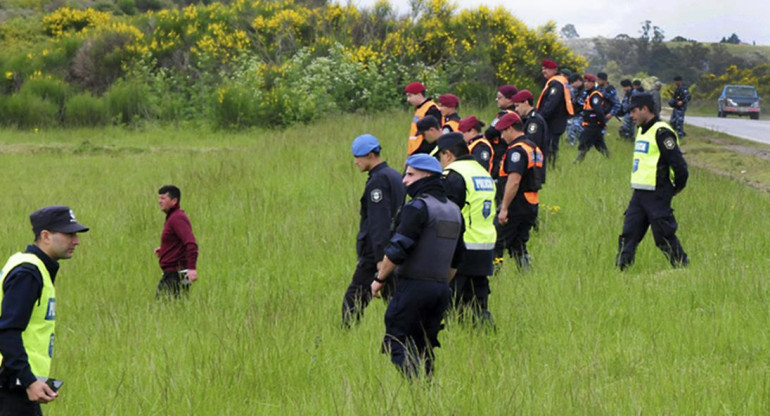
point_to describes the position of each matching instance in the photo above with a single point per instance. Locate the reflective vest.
(431, 257)
(532, 180)
(646, 157)
(452, 121)
(588, 110)
(38, 336)
(479, 209)
(415, 140)
(567, 93)
(483, 140)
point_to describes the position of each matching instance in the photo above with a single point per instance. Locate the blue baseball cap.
(365, 144)
(424, 162)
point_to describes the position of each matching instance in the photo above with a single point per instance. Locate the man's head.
(590, 81)
(504, 94)
(575, 80)
(510, 127)
(169, 197)
(657, 85)
(642, 108)
(415, 93)
(470, 127)
(626, 85)
(430, 128)
(450, 147)
(55, 230)
(448, 103)
(601, 79)
(366, 152)
(637, 84)
(678, 80)
(421, 166)
(523, 101)
(548, 68)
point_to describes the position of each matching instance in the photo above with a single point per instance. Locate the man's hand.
(376, 288)
(502, 217)
(192, 275)
(40, 392)
(157, 252)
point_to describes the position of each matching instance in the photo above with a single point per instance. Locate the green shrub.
(129, 102)
(127, 6)
(25, 110)
(85, 110)
(49, 89)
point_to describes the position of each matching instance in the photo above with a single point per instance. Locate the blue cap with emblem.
(424, 162)
(365, 144)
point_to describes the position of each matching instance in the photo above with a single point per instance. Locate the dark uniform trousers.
(14, 402)
(171, 285)
(471, 293)
(650, 209)
(592, 136)
(413, 321)
(359, 292)
(522, 216)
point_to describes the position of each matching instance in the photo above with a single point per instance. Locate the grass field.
(275, 214)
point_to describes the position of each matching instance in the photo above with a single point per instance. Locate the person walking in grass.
(178, 251)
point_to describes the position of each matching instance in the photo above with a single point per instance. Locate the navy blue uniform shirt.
(21, 290)
(383, 196)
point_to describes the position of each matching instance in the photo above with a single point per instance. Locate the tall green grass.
(275, 213)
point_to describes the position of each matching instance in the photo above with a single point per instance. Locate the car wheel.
(755, 116)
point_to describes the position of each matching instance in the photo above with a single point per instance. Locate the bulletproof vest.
(431, 257)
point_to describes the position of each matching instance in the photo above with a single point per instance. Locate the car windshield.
(741, 92)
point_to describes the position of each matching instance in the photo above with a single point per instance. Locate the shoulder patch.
(375, 195)
(669, 143)
(484, 155)
(532, 129)
(595, 100)
(515, 157)
(553, 90)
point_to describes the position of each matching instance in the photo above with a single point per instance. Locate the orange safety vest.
(453, 123)
(567, 93)
(534, 161)
(587, 106)
(416, 140)
(483, 140)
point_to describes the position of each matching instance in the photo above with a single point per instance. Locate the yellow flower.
(9, 75)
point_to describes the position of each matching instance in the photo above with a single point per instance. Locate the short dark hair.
(518, 126)
(458, 149)
(172, 191)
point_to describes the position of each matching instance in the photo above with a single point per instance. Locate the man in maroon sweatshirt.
(178, 251)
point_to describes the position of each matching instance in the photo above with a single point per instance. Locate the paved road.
(745, 128)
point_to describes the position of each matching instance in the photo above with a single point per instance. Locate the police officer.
(27, 317)
(523, 164)
(424, 253)
(472, 189)
(478, 145)
(610, 95)
(678, 103)
(382, 198)
(555, 105)
(447, 104)
(505, 105)
(626, 130)
(574, 123)
(423, 106)
(594, 121)
(535, 126)
(429, 128)
(637, 85)
(655, 92)
(659, 172)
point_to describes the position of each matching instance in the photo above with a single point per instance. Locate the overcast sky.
(702, 20)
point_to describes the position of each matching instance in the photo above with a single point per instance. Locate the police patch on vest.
(669, 143)
(483, 183)
(636, 165)
(484, 155)
(515, 157)
(553, 90)
(375, 195)
(50, 312)
(487, 209)
(416, 119)
(532, 128)
(595, 101)
(641, 146)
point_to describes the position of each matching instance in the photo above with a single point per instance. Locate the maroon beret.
(550, 64)
(468, 123)
(449, 100)
(415, 88)
(507, 121)
(522, 96)
(507, 90)
(589, 77)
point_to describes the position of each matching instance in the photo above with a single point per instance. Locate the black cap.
(637, 83)
(449, 140)
(426, 123)
(642, 100)
(602, 76)
(57, 218)
(625, 83)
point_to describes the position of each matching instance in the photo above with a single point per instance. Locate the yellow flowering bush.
(65, 20)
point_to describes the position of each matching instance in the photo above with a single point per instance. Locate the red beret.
(507, 121)
(547, 63)
(448, 100)
(468, 123)
(415, 88)
(522, 96)
(589, 77)
(507, 90)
